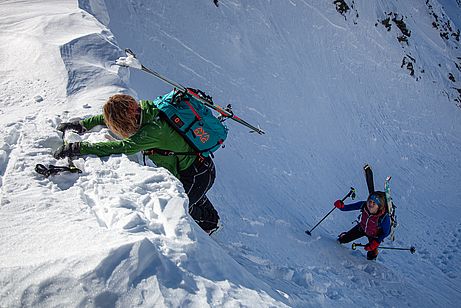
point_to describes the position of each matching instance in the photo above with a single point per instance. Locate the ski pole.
(211, 105)
(412, 249)
(351, 194)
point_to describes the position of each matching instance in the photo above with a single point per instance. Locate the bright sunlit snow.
(333, 89)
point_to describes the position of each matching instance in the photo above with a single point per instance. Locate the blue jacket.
(377, 226)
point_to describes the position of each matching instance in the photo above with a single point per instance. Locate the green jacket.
(154, 133)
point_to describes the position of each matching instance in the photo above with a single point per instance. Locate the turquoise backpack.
(193, 121)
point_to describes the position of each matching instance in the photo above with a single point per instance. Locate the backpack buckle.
(200, 159)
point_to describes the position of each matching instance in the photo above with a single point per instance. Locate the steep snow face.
(377, 83)
(116, 234)
(332, 88)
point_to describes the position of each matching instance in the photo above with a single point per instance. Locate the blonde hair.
(121, 113)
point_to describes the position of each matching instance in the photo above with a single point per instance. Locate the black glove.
(76, 126)
(67, 150)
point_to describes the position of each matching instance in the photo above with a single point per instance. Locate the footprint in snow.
(334, 294)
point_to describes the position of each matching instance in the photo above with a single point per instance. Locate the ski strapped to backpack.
(131, 61)
(369, 178)
(192, 120)
(390, 207)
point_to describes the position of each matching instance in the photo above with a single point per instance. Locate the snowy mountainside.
(117, 234)
(332, 89)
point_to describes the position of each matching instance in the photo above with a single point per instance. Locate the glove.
(76, 126)
(67, 150)
(372, 245)
(339, 204)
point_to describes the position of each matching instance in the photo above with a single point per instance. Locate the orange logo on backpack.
(203, 135)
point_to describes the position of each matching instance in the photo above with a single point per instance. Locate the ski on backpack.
(390, 207)
(226, 113)
(369, 178)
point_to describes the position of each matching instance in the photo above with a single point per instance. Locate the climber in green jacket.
(142, 129)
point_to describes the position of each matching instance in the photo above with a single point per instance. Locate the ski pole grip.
(128, 51)
(351, 193)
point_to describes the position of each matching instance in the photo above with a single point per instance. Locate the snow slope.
(332, 92)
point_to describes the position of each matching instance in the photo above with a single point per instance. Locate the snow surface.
(331, 93)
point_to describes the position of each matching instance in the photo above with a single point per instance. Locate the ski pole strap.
(53, 170)
(351, 194)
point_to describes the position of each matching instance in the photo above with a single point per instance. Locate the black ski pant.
(355, 233)
(197, 180)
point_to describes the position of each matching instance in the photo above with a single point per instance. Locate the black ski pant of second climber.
(355, 233)
(197, 180)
